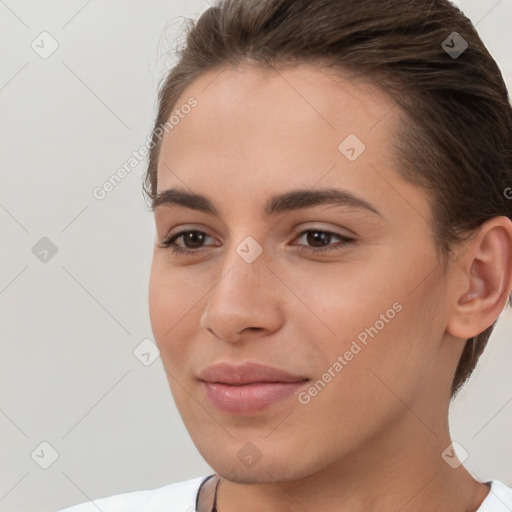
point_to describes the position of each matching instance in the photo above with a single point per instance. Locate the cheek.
(378, 319)
(351, 300)
(172, 292)
(158, 302)
(170, 303)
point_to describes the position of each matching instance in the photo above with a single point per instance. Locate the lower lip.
(249, 398)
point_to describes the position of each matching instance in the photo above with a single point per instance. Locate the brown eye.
(320, 240)
(192, 240)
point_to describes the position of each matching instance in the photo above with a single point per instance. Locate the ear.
(484, 279)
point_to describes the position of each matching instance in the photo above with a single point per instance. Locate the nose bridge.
(241, 274)
(244, 266)
(243, 295)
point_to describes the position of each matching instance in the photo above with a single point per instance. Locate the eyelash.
(168, 242)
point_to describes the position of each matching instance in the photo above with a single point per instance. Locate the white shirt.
(181, 497)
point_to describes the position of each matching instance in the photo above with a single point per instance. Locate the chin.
(262, 475)
(235, 465)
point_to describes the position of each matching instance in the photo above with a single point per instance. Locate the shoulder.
(181, 496)
(176, 497)
(499, 498)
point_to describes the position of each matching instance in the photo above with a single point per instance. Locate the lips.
(247, 373)
(248, 388)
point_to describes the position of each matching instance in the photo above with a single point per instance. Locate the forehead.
(256, 129)
(248, 108)
(305, 91)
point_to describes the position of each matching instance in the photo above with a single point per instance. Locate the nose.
(245, 302)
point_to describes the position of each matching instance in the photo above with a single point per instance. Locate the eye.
(192, 238)
(193, 241)
(322, 239)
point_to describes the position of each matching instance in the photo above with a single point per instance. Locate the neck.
(401, 471)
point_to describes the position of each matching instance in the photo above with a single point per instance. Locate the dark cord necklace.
(214, 508)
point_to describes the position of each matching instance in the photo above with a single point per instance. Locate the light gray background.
(68, 374)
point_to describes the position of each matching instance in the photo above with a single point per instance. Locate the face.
(342, 290)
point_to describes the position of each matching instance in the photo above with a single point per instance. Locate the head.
(272, 97)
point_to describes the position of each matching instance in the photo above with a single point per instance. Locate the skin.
(372, 439)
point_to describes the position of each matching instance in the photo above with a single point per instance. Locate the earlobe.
(487, 269)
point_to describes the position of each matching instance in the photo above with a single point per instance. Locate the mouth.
(248, 388)
(250, 398)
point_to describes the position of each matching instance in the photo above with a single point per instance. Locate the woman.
(334, 246)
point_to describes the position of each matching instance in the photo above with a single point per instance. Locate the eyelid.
(181, 228)
(169, 241)
(342, 244)
(332, 230)
(299, 230)
(179, 233)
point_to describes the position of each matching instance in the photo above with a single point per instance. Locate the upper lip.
(246, 373)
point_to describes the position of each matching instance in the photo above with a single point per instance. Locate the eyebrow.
(288, 201)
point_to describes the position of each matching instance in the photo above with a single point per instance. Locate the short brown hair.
(455, 140)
